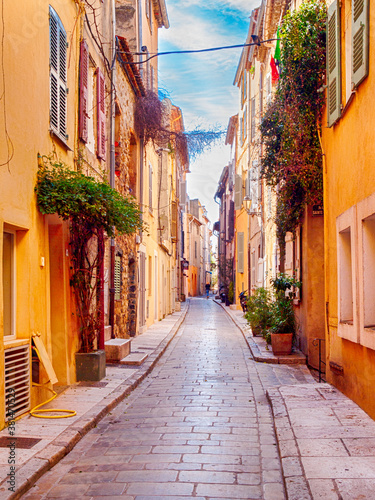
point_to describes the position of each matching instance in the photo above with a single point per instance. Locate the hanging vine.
(150, 124)
(292, 158)
(94, 211)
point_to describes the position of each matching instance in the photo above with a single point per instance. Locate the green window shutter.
(360, 40)
(333, 64)
(240, 252)
(238, 192)
(117, 279)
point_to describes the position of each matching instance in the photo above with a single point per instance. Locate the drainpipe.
(112, 173)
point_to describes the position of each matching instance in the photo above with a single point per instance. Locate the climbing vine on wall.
(94, 211)
(292, 158)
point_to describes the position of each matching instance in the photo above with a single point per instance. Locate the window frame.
(58, 72)
(13, 292)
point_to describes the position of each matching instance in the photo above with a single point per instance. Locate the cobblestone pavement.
(199, 426)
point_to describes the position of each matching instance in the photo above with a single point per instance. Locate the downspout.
(112, 172)
(142, 146)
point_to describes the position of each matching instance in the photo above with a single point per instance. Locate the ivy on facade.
(94, 211)
(292, 158)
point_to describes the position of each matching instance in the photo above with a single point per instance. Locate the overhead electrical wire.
(197, 51)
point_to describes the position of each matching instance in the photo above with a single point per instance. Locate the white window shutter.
(183, 193)
(360, 40)
(333, 64)
(240, 252)
(254, 186)
(238, 192)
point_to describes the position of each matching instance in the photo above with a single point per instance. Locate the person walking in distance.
(207, 290)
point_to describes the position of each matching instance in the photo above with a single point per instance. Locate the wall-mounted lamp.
(246, 203)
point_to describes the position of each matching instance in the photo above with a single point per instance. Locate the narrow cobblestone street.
(199, 426)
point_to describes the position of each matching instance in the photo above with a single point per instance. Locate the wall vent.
(17, 381)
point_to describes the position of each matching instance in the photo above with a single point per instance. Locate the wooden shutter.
(333, 64)
(83, 90)
(183, 193)
(174, 221)
(254, 186)
(240, 252)
(117, 277)
(238, 192)
(360, 40)
(58, 90)
(100, 101)
(150, 188)
(231, 221)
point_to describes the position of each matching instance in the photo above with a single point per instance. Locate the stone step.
(117, 349)
(107, 333)
(135, 358)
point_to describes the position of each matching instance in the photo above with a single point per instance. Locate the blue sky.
(202, 84)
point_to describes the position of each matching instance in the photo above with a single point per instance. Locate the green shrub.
(258, 312)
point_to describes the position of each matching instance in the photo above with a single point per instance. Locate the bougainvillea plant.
(292, 158)
(94, 211)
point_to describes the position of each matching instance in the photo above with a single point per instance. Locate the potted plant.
(94, 211)
(283, 320)
(258, 312)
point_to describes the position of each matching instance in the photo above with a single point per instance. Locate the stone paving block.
(207, 477)
(165, 489)
(105, 489)
(288, 448)
(88, 477)
(291, 466)
(324, 489)
(68, 491)
(322, 447)
(234, 491)
(138, 476)
(339, 467)
(273, 491)
(297, 488)
(350, 489)
(358, 447)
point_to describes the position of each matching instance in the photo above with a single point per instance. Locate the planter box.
(90, 367)
(281, 343)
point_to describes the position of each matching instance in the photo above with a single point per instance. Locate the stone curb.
(295, 482)
(43, 461)
(256, 352)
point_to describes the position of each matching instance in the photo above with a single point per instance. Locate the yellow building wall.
(349, 149)
(25, 132)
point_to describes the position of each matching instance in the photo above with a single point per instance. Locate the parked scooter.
(243, 300)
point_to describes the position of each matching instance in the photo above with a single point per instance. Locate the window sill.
(59, 139)
(8, 344)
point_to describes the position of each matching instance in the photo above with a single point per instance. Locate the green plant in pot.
(94, 211)
(258, 312)
(283, 319)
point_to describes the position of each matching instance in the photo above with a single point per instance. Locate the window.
(240, 252)
(252, 119)
(333, 64)
(9, 281)
(118, 276)
(100, 109)
(238, 192)
(195, 249)
(360, 41)
(150, 188)
(58, 80)
(83, 91)
(149, 275)
(346, 272)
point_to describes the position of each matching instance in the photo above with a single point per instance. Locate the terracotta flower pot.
(281, 343)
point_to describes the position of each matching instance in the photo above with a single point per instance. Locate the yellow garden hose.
(35, 412)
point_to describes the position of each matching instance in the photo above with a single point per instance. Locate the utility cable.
(197, 51)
